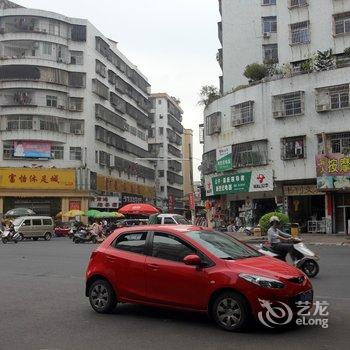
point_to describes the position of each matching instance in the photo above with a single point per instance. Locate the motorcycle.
(302, 257)
(83, 236)
(10, 235)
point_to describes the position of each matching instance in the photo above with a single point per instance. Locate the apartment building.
(165, 140)
(74, 116)
(282, 142)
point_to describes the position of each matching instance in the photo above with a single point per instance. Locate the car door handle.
(153, 267)
(111, 258)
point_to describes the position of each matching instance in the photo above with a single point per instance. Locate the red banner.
(171, 203)
(74, 205)
(191, 201)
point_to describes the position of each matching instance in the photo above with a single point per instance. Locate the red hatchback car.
(191, 268)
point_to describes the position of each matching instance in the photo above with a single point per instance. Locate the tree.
(256, 71)
(208, 94)
(324, 60)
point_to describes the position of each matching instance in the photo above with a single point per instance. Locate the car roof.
(177, 229)
(34, 217)
(167, 215)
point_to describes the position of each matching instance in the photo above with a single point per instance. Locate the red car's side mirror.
(192, 260)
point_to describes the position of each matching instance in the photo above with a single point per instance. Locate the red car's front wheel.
(102, 297)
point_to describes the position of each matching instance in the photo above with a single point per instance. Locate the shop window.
(75, 153)
(51, 101)
(293, 148)
(57, 152)
(250, 154)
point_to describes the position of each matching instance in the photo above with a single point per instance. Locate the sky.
(173, 43)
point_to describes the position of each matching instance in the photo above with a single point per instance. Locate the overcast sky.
(173, 42)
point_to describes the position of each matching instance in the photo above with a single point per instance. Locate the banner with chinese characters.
(224, 159)
(301, 190)
(106, 202)
(253, 181)
(332, 164)
(30, 179)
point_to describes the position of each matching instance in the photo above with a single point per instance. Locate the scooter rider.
(279, 240)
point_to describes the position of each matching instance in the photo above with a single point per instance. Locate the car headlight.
(262, 281)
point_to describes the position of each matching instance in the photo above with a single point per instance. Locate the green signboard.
(224, 159)
(232, 183)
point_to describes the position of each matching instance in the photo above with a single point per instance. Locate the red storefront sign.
(74, 205)
(191, 201)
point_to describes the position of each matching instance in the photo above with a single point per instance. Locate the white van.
(34, 227)
(172, 219)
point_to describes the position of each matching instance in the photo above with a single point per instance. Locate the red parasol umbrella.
(138, 209)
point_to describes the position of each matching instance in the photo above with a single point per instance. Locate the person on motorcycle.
(279, 240)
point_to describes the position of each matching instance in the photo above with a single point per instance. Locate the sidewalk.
(308, 238)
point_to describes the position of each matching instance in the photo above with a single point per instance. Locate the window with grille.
(49, 123)
(209, 162)
(293, 148)
(297, 3)
(340, 143)
(57, 152)
(339, 97)
(269, 24)
(342, 23)
(250, 154)
(270, 53)
(76, 127)
(268, 2)
(8, 150)
(288, 105)
(19, 123)
(213, 123)
(300, 33)
(100, 69)
(242, 113)
(75, 153)
(77, 57)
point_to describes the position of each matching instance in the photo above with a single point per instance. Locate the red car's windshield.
(222, 246)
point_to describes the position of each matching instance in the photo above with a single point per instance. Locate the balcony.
(173, 137)
(175, 124)
(175, 192)
(173, 178)
(21, 98)
(174, 166)
(174, 151)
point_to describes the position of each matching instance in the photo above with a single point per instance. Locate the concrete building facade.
(187, 163)
(70, 100)
(282, 143)
(165, 139)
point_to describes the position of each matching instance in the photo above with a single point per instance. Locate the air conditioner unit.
(323, 108)
(60, 107)
(73, 108)
(278, 114)
(299, 151)
(267, 34)
(78, 132)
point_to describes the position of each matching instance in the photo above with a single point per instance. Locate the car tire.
(310, 268)
(230, 311)
(20, 237)
(94, 240)
(47, 236)
(102, 297)
(4, 240)
(35, 238)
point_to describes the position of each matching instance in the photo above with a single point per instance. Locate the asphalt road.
(42, 306)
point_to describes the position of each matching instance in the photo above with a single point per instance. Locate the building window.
(250, 154)
(270, 53)
(161, 188)
(340, 143)
(151, 133)
(57, 152)
(209, 162)
(51, 101)
(268, 2)
(160, 173)
(8, 150)
(76, 57)
(332, 98)
(133, 130)
(100, 89)
(100, 69)
(297, 3)
(288, 105)
(161, 131)
(47, 49)
(19, 123)
(293, 148)
(49, 123)
(269, 24)
(342, 23)
(76, 127)
(300, 33)
(75, 153)
(242, 113)
(213, 123)
(159, 102)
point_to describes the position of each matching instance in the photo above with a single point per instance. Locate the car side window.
(169, 221)
(47, 222)
(26, 223)
(159, 220)
(170, 247)
(36, 222)
(132, 242)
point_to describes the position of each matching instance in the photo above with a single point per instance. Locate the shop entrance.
(306, 208)
(342, 213)
(41, 206)
(262, 207)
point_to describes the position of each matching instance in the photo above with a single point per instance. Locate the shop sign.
(301, 190)
(106, 202)
(333, 182)
(254, 181)
(332, 164)
(36, 179)
(74, 205)
(32, 149)
(224, 159)
(128, 198)
(191, 201)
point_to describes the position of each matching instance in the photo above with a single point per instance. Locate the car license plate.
(306, 296)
